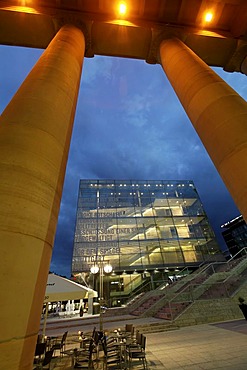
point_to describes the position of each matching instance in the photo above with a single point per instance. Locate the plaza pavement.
(201, 347)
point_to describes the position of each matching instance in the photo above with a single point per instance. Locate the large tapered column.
(217, 112)
(35, 132)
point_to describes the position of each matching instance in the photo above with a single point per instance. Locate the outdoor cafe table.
(122, 344)
(121, 340)
(73, 353)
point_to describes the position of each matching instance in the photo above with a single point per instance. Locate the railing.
(234, 259)
(148, 303)
(145, 287)
(186, 292)
(193, 291)
(130, 287)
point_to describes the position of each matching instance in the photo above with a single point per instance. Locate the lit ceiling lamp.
(208, 17)
(122, 8)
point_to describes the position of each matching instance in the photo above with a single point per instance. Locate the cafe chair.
(84, 358)
(60, 344)
(39, 338)
(113, 354)
(137, 353)
(39, 351)
(46, 363)
(97, 338)
(129, 330)
(136, 341)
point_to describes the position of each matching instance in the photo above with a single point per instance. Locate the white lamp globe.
(108, 268)
(94, 269)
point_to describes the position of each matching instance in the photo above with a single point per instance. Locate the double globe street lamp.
(101, 266)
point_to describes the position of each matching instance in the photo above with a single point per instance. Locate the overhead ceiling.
(223, 42)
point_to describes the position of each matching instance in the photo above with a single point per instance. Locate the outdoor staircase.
(142, 308)
(171, 311)
(210, 282)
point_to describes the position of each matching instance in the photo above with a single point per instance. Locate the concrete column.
(35, 132)
(217, 112)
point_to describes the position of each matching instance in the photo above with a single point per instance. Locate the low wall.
(209, 311)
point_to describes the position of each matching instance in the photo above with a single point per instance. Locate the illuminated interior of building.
(147, 230)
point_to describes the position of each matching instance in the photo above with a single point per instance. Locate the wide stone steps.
(156, 327)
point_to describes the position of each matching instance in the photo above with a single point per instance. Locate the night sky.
(129, 124)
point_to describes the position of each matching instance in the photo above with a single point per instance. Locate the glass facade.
(141, 225)
(235, 235)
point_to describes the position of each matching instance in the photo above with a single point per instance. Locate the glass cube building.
(141, 227)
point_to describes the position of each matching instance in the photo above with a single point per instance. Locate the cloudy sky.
(129, 124)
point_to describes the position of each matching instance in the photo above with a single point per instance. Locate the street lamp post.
(100, 266)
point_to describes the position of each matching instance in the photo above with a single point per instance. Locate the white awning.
(62, 289)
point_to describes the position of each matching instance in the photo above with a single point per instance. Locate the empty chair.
(84, 358)
(136, 342)
(45, 364)
(137, 354)
(60, 344)
(97, 337)
(129, 330)
(112, 355)
(39, 352)
(39, 338)
(40, 349)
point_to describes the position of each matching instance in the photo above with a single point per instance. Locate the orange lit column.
(35, 133)
(217, 112)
